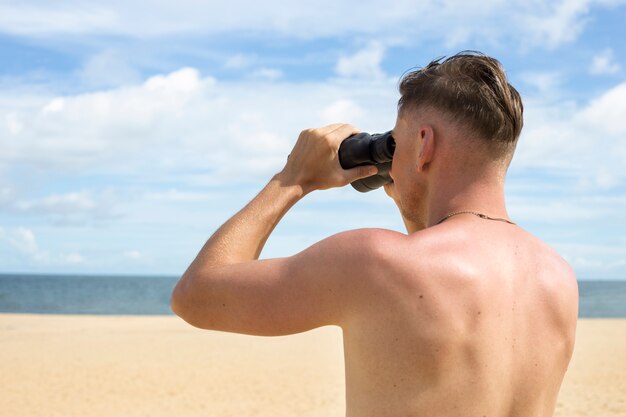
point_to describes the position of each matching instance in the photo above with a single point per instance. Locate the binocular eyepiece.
(368, 149)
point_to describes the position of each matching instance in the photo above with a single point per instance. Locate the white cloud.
(77, 208)
(162, 142)
(564, 207)
(364, 63)
(25, 243)
(555, 211)
(6, 196)
(588, 143)
(604, 63)
(13, 124)
(39, 18)
(108, 68)
(540, 22)
(72, 259)
(267, 73)
(605, 116)
(557, 22)
(64, 202)
(238, 61)
(341, 110)
(546, 83)
(181, 122)
(173, 195)
(55, 105)
(72, 131)
(133, 254)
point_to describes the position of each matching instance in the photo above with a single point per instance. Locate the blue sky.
(129, 130)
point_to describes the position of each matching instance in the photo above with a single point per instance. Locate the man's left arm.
(227, 288)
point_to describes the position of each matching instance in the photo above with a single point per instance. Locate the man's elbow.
(176, 300)
(183, 305)
(180, 302)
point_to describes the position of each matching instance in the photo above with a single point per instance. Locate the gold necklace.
(475, 213)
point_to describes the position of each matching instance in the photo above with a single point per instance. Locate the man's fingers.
(327, 129)
(338, 131)
(342, 132)
(357, 173)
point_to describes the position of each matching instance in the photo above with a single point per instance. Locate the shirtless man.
(465, 315)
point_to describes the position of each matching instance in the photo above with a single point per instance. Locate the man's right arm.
(319, 286)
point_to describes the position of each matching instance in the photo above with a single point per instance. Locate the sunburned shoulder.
(383, 246)
(384, 242)
(364, 252)
(360, 257)
(383, 253)
(373, 242)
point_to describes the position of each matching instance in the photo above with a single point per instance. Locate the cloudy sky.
(130, 130)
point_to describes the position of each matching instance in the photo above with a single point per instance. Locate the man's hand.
(314, 161)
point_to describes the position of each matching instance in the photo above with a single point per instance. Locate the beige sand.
(159, 366)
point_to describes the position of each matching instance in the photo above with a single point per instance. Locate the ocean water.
(150, 295)
(85, 294)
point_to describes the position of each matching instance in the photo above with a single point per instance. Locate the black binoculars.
(365, 149)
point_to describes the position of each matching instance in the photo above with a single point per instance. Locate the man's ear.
(427, 148)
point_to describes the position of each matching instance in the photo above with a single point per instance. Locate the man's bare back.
(462, 316)
(469, 318)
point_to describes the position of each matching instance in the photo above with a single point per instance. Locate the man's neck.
(485, 197)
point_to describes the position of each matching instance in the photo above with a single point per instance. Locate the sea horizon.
(149, 294)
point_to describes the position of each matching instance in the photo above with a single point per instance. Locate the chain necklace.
(482, 216)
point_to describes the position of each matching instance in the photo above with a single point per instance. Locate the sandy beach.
(88, 366)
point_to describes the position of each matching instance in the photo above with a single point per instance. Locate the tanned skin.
(469, 317)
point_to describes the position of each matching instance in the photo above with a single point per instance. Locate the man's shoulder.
(384, 246)
(375, 241)
(367, 252)
(385, 258)
(446, 251)
(559, 278)
(550, 259)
